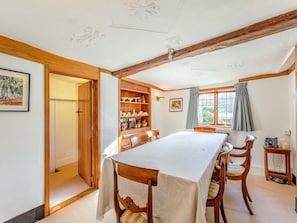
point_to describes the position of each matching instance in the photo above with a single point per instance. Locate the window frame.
(216, 92)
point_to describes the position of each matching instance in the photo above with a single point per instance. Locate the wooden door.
(85, 132)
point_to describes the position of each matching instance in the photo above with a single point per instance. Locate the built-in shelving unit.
(135, 108)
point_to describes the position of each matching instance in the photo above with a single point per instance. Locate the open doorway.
(70, 150)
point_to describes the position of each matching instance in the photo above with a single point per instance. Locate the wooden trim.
(46, 142)
(295, 66)
(263, 76)
(105, 71)
(71, 200)
(177, 89)
(58, 64)
(255, 31)
(142, 83)
(218, 89)
(258, 77)
(95, 139)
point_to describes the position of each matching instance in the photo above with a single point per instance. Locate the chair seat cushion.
(131, 217)
(213, 190)
(235, 170)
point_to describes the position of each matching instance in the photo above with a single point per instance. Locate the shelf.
(136, 91)
(140, 100)
(135, 130)
(134, 103)
(135, 116)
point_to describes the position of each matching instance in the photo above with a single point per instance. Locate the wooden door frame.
(60, 65)
(95, 139)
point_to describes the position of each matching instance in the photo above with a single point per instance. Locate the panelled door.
(85, 132)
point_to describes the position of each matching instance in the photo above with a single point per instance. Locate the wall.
(272, 101)
(63, 123)
(109, 114)
(175, 121)
(157, 111)
(22, 146)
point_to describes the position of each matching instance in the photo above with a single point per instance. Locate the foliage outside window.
(215, 106)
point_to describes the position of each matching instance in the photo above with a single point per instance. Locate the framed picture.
(14, 90)
(175, 104)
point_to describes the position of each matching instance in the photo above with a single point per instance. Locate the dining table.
(185, 161)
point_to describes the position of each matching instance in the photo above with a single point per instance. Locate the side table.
(286, 152)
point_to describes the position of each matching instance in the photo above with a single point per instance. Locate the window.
(216, 106)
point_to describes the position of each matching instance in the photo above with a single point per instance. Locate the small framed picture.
(175, 104)
(14, 90)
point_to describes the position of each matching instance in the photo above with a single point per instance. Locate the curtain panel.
(192, 117)
(242, 115)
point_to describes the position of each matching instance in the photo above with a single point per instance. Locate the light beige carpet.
(272, 203)
(65, 183)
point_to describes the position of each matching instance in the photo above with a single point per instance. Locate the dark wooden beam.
(255, 31)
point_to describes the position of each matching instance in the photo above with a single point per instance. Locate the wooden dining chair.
(138, 139)
(205, 129)
(239, 171)
(127, 211)
(217, 184)
(153, 134)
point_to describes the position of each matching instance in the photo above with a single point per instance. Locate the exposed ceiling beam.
(255, 31)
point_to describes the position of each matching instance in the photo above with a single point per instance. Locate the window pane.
(206, 108)
(225, 107)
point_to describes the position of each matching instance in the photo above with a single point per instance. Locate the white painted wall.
(22, 146)
(175, 121)
(109, 106)
(157, 109)
(273, 108)
(63, 123)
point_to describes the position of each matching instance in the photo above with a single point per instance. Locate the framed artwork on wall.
(14, 90)
(175, 104)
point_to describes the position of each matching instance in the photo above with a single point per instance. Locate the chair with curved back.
(217, 184)
(127, 211)
(138, 139)
(153, 134)
(239, 171)
(205, 129)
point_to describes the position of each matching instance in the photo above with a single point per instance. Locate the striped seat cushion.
(131, 217)
(235, 170)
(213, 190)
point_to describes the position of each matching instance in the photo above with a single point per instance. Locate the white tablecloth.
(185, 161)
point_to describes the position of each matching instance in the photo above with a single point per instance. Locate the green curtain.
(192, 117)
(242, 115)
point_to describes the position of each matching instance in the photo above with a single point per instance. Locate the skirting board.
(29, 217)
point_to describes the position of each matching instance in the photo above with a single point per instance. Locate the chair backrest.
(249, 143)
(153, 134)
(220, 174)
(139, 175)
(138, 139)
(245, 152)
(204, 129)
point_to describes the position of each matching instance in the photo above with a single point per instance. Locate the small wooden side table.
(286, 152)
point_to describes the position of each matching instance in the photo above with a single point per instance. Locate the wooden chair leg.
(248, 194)
(217, 213)
(245, 195)
(223, 211)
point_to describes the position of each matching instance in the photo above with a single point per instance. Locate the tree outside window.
(215, 107)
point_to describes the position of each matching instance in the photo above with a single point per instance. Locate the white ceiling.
(115, 34)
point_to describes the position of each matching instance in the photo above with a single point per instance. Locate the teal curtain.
(192, 117)
(242, 115)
